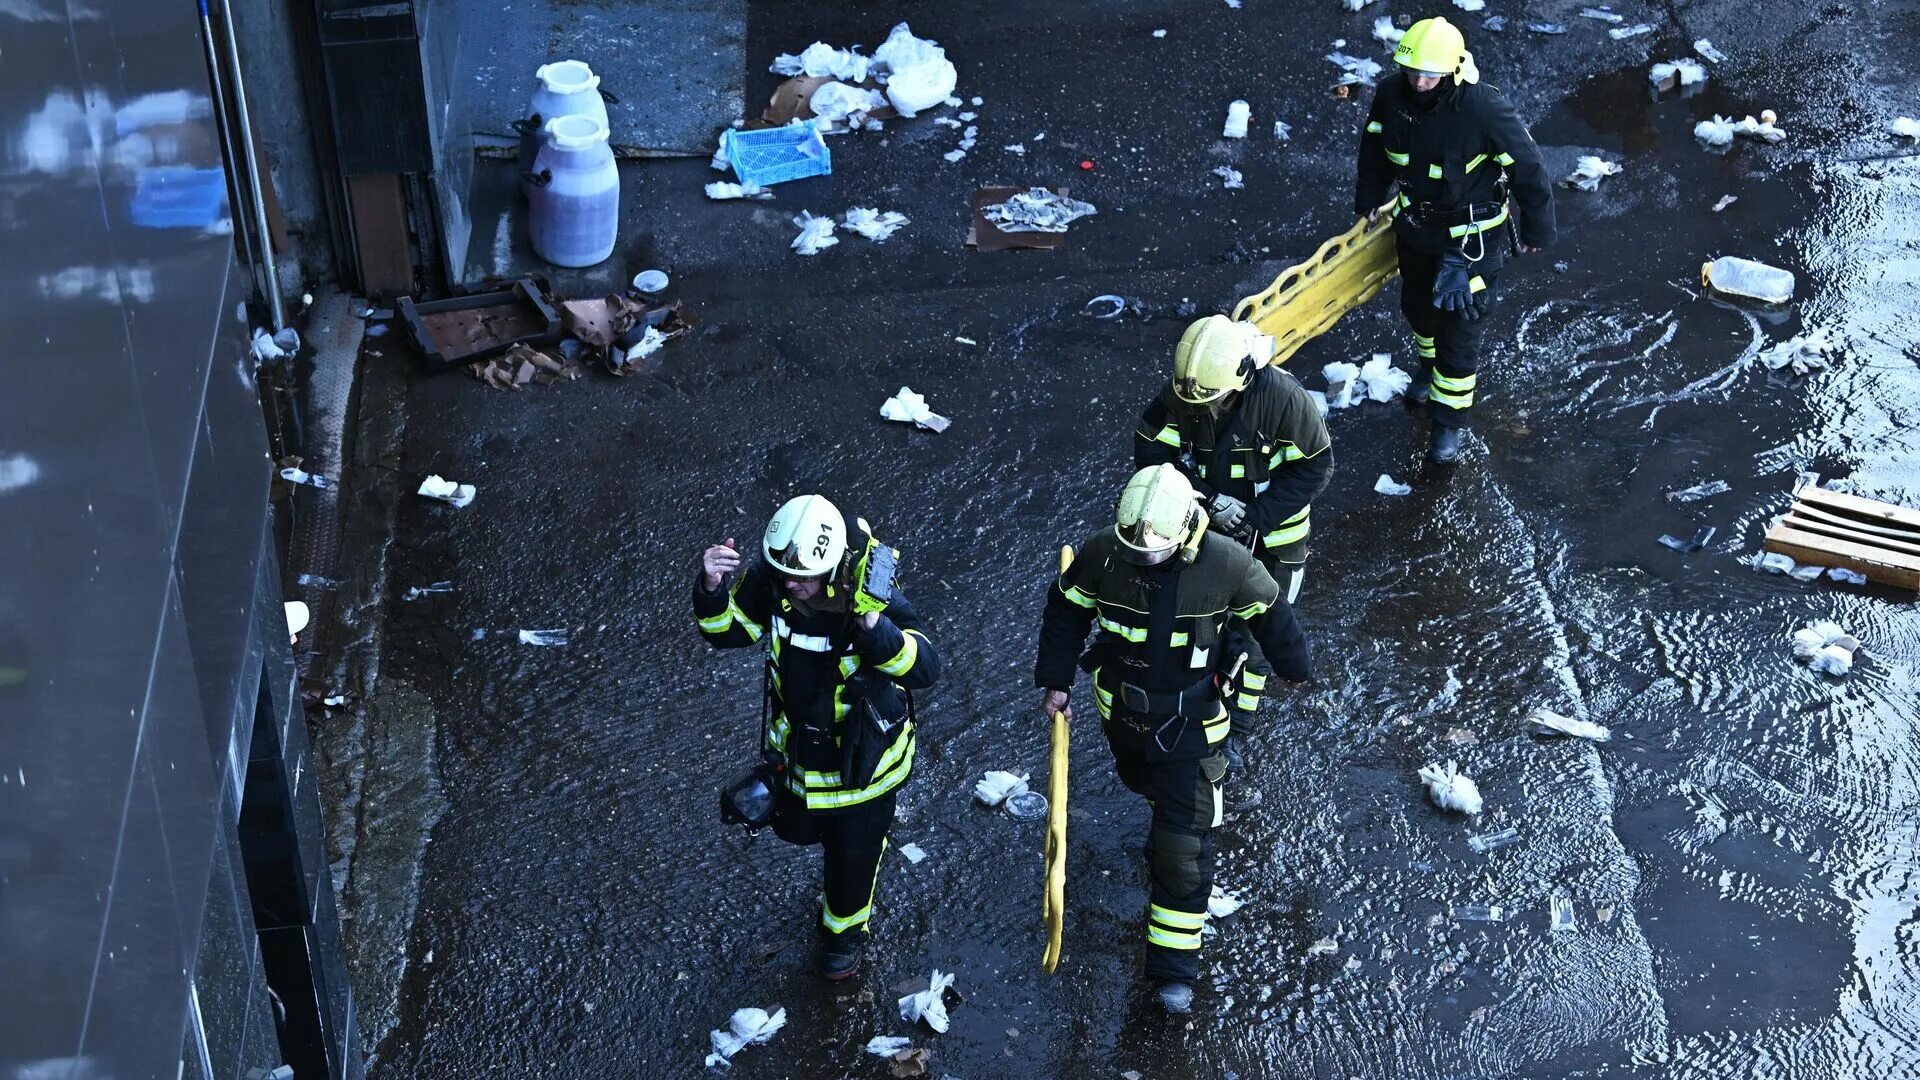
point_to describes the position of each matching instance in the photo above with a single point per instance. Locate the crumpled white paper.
(1905, 126)
(837, 101)
(1708, 52)
(1689, 71)
(1358, 69)
(1763, 128)
(873, 224)
(816, 234)
(1825, 647)
(1451, 789)
(929, 1004)
(1222, 903)
(1230, 175)
(1590, 170)
(1387, 485)
(1547, 722)
(435, 487)
(908, 407)
(919, 75)
(721, 189)
(994, 787)
(1715, 132)
(888, 1045)
(1803, 353)
(1377, 380)
(821, 59)
(745, 1027)
(1386, 33)
(1035, 210)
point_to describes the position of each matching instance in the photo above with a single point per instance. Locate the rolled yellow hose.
(1053, 898)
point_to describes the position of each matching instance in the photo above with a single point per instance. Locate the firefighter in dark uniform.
(1253, 442)
(843, 648)
(1162, 589)
(1460, 155)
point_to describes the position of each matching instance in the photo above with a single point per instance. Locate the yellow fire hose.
(1053, 898)
(1309, 297)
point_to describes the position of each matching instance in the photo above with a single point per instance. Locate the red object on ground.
(1087, 165)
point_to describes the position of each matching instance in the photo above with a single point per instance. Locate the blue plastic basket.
(178, 197)
(775, 155)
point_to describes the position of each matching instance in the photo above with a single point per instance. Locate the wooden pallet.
(1827, 528)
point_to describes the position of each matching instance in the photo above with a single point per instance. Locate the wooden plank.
(1799, 518)
(1885, 513)
(1905, 536)
(1882, 566)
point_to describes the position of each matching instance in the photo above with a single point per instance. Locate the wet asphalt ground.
(1741, 857)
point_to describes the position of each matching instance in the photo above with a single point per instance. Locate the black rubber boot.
(1236, 758)
(1421, 388)
(1445, 449)
(1175, 997)
(840, 954)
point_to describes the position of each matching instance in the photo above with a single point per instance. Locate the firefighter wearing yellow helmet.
(1463, 162)
(1161, 587)
(1253, 443)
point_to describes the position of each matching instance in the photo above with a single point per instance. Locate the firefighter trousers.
(851, 844)
(1448, 341)
(1185, 796)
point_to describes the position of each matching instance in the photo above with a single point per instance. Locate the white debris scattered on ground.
(1387, 485)
(1684, 71)
(1222, 903)
(548, 638)
(720, 189)
(1159, 33)
(1708, 53)
(1386, 33)
(820, 60)
(1377, 380)
(954, 155)
(994, 787)
(1234, 4)
(1774, 562)
(1906, 127)
(1016, 148)
(816, 234)
(1825, 647)
(650, 341)
(929, 1004)
(1547, 722)
(1039, 136)
(1622, 33)
(908, 407)
(1725, 201)
(1230, 175)
(1763, 128)
(1715, 132)
(947, 121)
(838, 101)
(1803, 353)
(745, 1027)
(435, 487)
(965, 341)
(1319, 399)
(301, 477)
(1470, 5)
(887, 1045)
(1451, 789)
(1589, 171)
(1036, 210)
(1354, 5)
(873, 224)
(1238, 114)
(1602, 14)
(1358, 69)
(1704, 490)
(267, 347)
(1851, 577)
(1282, 130)
(918, 74)
(912, 852)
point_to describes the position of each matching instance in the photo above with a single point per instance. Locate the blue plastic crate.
(178, 197)
(775, 155)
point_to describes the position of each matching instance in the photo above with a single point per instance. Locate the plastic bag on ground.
(1238, 113)
(873, 224)
(1825, 647)
(919, 75)
(1589, 171)
(816, 234)
(1763, 128)
(1340, 377)
(1451, 789)
(994, 788)
(1222, 903)
(435, 487)
(1386, 33)
(721, 189)
(1230, 176)
(1707, 52)
(887, 1045)
(821, 60)
(1804, 353)
(745, 1027)
(1384, 382)
(1715, 132)
(1684, 71)
(908, 407)
(1358, 69)
(929, 1004)
(837, 101)
(1387, 485)
(1906, 127)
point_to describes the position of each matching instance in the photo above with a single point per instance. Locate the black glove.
(1452, 287)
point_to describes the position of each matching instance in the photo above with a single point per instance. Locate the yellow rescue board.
(1309, 297)
(1053, 898)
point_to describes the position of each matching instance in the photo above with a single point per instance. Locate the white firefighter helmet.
(807, 538)
(1159, 511)
(1217, 356)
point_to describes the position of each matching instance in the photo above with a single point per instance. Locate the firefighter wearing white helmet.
(1162, 587)
(1253, 442)
(844, 652)
(1462, 160)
